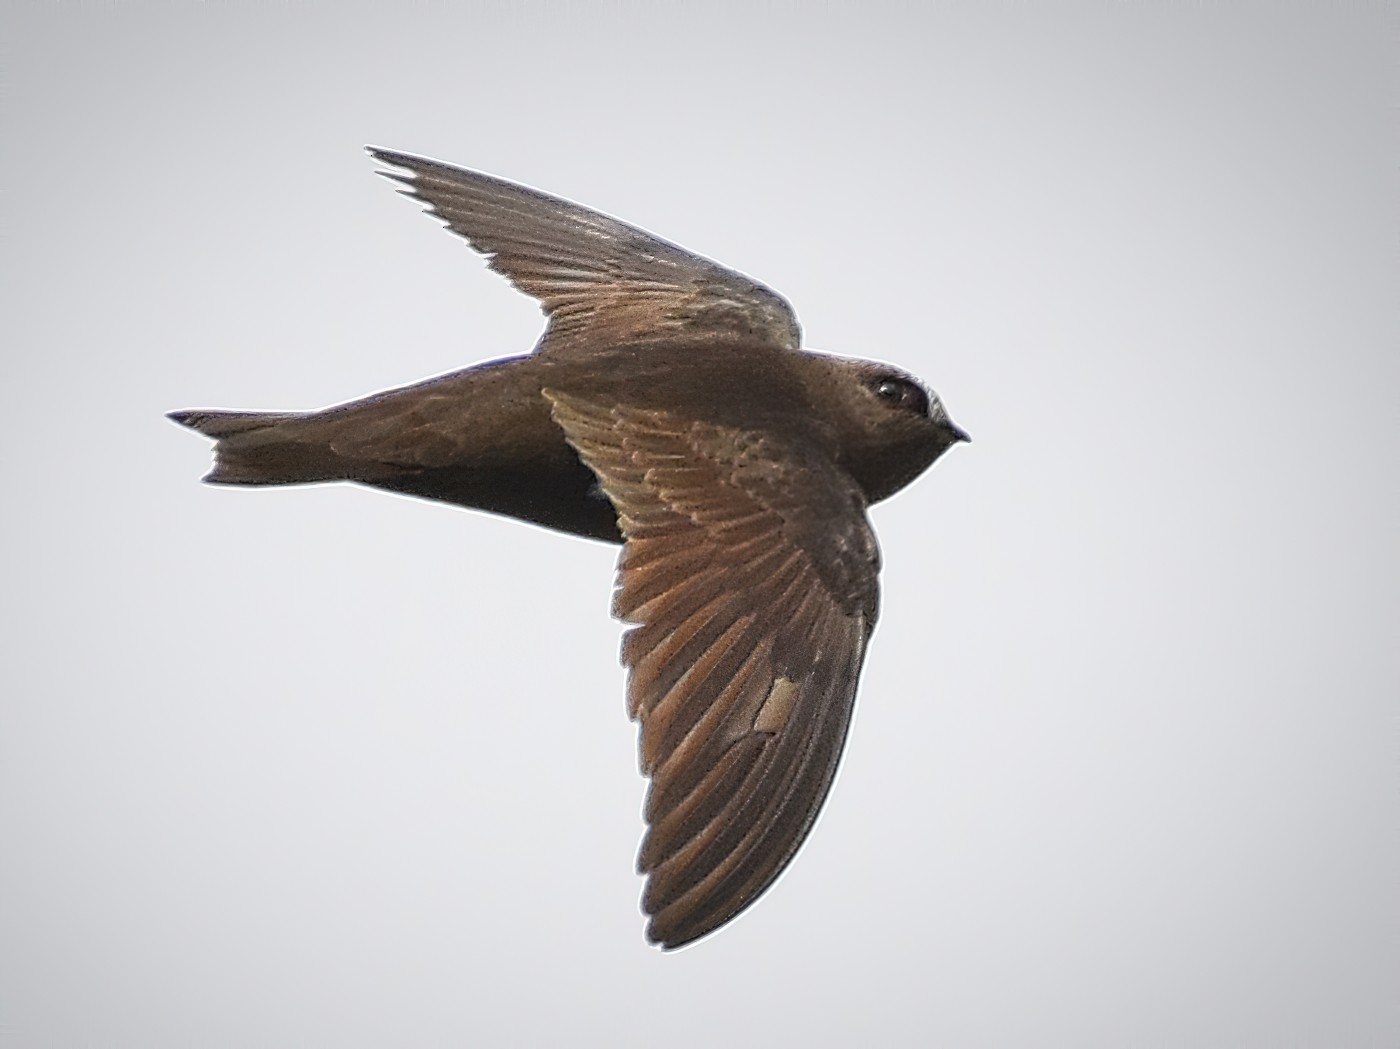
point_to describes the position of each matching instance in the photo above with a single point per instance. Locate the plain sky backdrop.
(323, 766)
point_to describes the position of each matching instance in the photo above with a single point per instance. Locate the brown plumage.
(669, 405)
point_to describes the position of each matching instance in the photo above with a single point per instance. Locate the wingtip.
(668, 941)
(392, 158)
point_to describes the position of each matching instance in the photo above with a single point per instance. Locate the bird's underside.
(667, 405)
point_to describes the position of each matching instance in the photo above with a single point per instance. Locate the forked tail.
(259, 448)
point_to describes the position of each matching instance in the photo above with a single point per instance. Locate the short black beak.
(957, 432)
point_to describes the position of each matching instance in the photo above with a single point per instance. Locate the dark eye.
(903, 394)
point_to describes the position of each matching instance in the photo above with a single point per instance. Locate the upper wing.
(595, 276)
(750, 573)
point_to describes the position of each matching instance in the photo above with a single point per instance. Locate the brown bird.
(669, 406)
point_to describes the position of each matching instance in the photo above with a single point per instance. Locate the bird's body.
(484, 437)
(669, 406)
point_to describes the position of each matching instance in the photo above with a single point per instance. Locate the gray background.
(328, 767)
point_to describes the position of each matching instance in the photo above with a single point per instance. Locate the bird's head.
(890, 426)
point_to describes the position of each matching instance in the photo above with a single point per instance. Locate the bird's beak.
(955, 432)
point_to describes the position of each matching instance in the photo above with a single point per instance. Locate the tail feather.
(259, 448)
(215, 422)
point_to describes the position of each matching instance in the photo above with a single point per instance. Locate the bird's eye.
(903, 394)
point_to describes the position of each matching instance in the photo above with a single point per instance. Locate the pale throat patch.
(777, 706)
